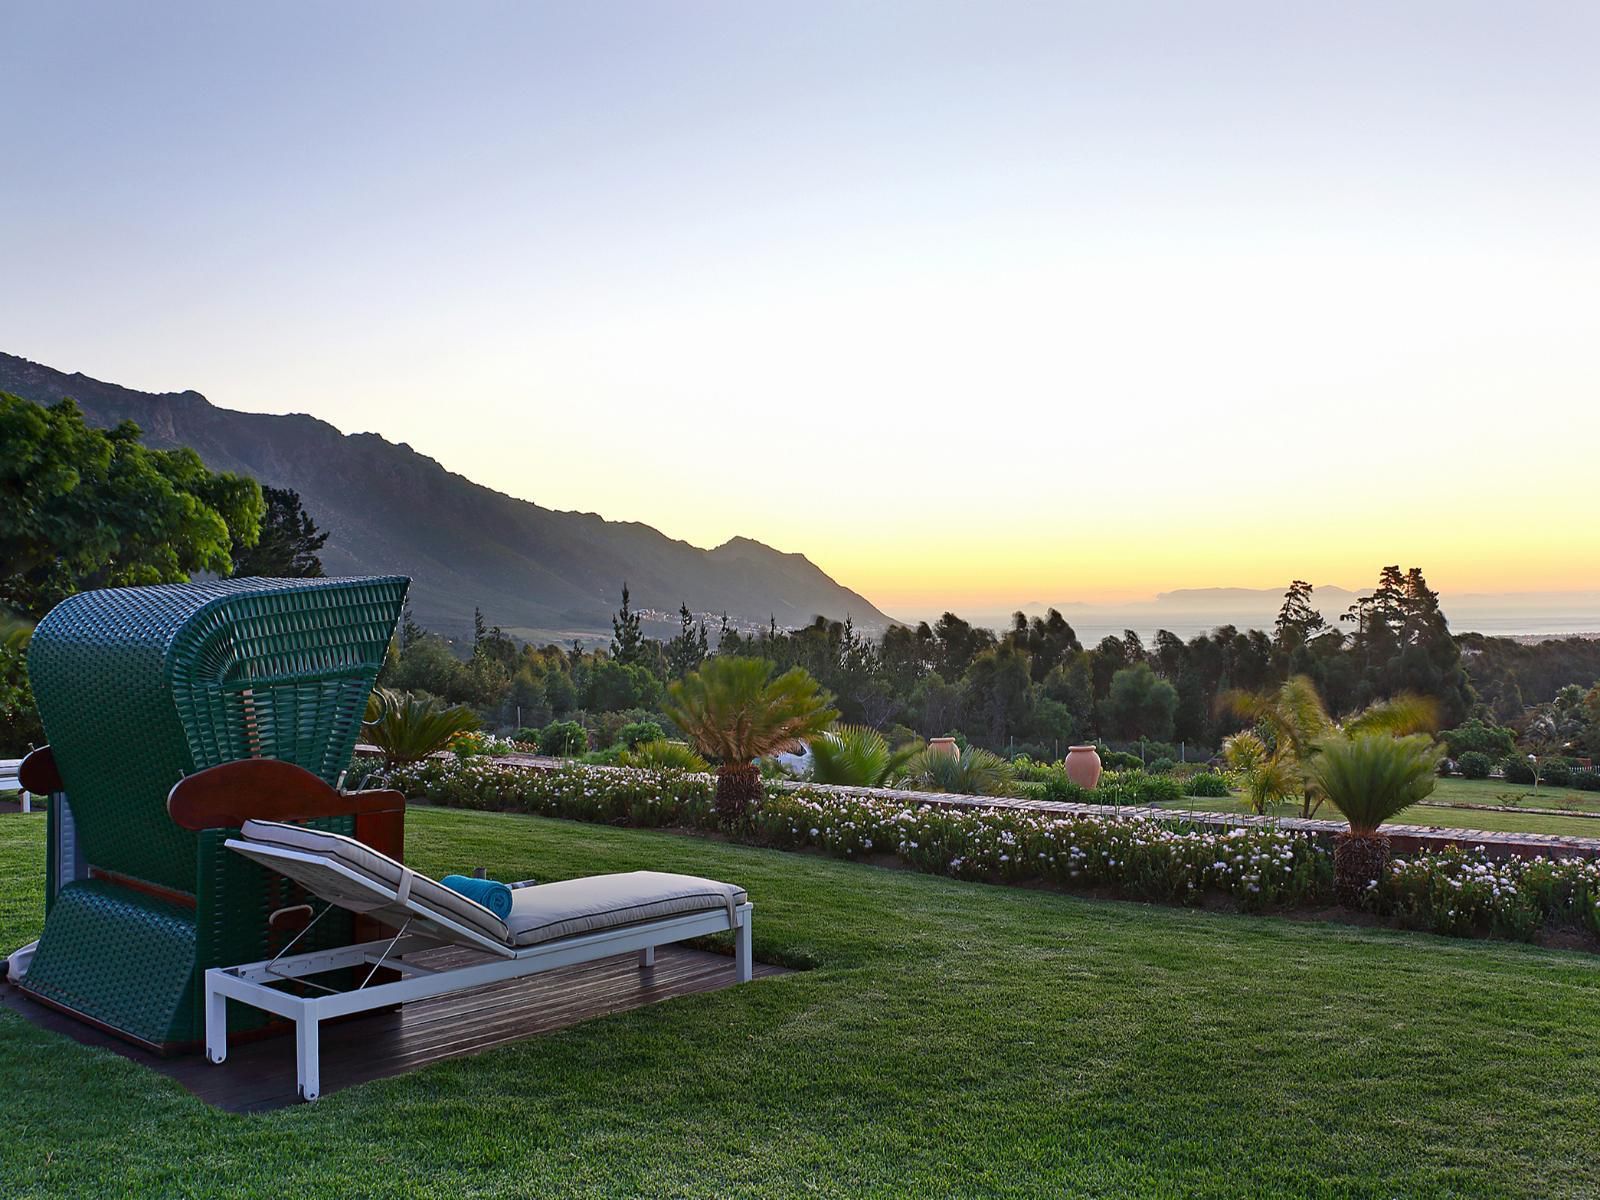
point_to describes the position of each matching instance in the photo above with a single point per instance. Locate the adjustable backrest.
(138, 687)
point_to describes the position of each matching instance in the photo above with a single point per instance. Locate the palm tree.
(1268, 778)
(1369, 777)
(733, 711)
(407, 729)
(1297, 722)
(857, 756)
(973, 772)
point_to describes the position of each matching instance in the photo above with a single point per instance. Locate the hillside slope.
(543, 573)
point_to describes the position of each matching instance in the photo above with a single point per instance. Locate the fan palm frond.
(857, 756)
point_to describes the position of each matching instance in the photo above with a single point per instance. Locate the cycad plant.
(1297, 723)
(1369, 777)
(661, 755)
(973, 772)
(407, 728)
(857, 756)
(733, 711)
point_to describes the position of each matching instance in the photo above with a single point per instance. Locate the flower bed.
(1256, 867)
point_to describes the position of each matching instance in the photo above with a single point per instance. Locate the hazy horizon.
(972, 305)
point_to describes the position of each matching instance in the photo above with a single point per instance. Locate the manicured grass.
(1420, 814)
(1484, 792)
(952, 1039)
(1499, 792)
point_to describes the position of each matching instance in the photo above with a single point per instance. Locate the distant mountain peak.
(538, 572)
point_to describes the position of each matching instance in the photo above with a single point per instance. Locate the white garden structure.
(550, 925)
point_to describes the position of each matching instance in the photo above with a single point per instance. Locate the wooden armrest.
(266, 789)
(38, 774)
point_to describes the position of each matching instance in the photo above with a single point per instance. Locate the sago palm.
(661, 755)
(1298, 723)
(857, 756)
(1369, 777)
(407, 729)
(733, 711)
(973, 772)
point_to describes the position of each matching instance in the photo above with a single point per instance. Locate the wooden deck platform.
(259, 1076)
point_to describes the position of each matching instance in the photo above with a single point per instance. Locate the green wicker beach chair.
(140, 688)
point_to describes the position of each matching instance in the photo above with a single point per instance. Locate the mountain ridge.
(544, 573)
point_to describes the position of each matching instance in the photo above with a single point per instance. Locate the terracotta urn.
(947, 746)
(1083, 766)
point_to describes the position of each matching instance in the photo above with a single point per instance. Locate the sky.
(976, 305)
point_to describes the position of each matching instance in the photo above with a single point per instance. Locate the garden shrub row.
(1264, 866)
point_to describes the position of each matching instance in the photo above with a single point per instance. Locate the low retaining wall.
(1407, 839)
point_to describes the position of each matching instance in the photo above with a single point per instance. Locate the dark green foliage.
(1137, 788)
(1210, 785)
(1585, 781)
(688, 649)
(563, 738)
(85, 508)
(1057, 787)
(1474, 764)
(1558, 774)
(631, 734)
(1160, 766)
(627, 641)
(1139, 704)
(1518, 769)
(289, 540)
(1494, 741)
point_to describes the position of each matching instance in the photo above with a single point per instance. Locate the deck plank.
(259, 1075)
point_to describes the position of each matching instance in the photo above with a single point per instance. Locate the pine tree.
(627, 642)
(685, 652)
(1298, 621)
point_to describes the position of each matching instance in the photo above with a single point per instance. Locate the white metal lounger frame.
(252, 983)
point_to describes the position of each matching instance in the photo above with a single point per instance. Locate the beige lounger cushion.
(544, 913)
(573, 906)
(380, 868)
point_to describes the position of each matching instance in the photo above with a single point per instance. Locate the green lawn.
(952, 1039)
(1499, 792)
(1489, 793)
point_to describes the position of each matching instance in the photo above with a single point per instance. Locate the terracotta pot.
(944, 746)
(1083, 766)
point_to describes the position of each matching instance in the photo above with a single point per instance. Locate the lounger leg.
(647, 957)
(216, 1024)
(307, 1056)
(742, 961)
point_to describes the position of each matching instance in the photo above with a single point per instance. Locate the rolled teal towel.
(492, 894)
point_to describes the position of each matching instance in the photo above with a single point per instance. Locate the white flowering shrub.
(1262, 866)
(578, 793)
(1150, 860)
(1463, 893)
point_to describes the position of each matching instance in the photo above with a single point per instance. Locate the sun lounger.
(550, 925)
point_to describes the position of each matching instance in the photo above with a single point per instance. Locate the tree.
(1139, 704)
(1297, 723)
(1298, 622)
(289, 541)
(689, 648)
(85, 508)
(627, 640)
(1369, 777)
(733, 711)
